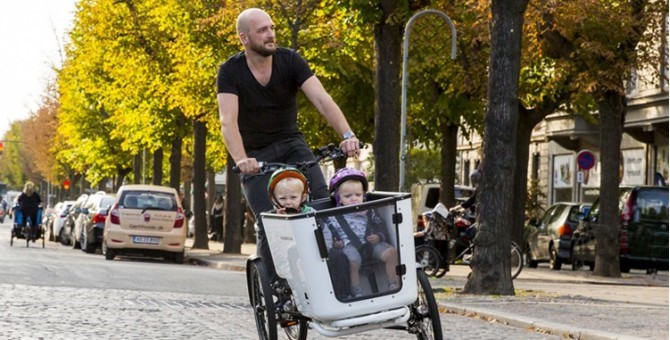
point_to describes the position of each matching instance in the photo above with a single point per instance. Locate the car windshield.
(144, 200)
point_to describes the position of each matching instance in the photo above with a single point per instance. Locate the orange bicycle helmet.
(283, 173)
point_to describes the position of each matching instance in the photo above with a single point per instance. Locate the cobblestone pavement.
(39, 312)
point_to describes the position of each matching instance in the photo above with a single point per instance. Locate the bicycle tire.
(27, 234)
(428, 259)
(260, 294)
(516, 261)
(426, 313)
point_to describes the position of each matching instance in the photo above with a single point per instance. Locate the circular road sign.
(586, 160)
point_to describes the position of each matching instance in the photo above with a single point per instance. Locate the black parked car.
(643, 235)
(549, 239)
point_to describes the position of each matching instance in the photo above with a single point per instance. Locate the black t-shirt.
(267, 114)
(29, 203)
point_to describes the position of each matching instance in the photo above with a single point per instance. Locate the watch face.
(348, 135)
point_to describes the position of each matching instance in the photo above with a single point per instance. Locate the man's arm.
(228, 111)
(325, 104)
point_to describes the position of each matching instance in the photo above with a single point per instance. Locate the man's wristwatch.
(348, 134)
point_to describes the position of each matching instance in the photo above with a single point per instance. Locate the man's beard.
(262, 50)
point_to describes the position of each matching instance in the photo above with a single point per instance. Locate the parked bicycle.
(435, 257)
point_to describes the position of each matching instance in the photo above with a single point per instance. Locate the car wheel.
(73, 240)
(592, 266)
(50, 228)
(64, 239)
(624, 267)
(109, 253)
(576, 264)
(178, 258)
(86, 246)
(530, 263)
(554, 261)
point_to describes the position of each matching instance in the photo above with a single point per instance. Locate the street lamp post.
(405, 78)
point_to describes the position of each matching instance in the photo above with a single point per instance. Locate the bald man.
(258, 109)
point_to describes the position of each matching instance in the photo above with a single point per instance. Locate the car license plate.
(145, 240)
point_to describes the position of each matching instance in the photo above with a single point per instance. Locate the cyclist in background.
(28, 204)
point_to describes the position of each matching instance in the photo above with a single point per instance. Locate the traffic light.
(66, 184)
(2, 146)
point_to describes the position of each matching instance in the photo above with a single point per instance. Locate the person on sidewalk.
(258, 108)
(217, 219)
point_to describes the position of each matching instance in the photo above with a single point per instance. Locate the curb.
(198, 261)
(552, 328)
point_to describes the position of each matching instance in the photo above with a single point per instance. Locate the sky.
(32, 34)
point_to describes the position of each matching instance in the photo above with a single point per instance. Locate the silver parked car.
(55, 220)
(549, 239)
(90, 223)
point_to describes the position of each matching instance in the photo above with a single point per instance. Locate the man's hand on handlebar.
(351, 147)
(248, 166)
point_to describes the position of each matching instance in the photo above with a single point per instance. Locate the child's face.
(351, 192)
(289, 197)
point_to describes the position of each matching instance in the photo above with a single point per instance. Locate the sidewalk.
(606, 313)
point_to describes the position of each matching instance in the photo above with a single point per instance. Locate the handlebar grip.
(261, 166)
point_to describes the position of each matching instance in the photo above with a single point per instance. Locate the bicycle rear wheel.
(516, 260)
(428, 259)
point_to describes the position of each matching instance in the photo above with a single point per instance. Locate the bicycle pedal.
(287, 323)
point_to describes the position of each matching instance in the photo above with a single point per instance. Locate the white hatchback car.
(145, 220)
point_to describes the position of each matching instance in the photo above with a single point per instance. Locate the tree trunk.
(491, 261)
(137, 168)
(611, 115)
(187, 196)
(448, 168)
(175, 158)
(388, 41)
(211, 189)
(525, 129)
(199, 205)
(121, 174)
(157, 175)
(232, 219)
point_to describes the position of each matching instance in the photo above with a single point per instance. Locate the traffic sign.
(586, 160)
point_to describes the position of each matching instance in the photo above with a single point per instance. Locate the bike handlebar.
(328, 152)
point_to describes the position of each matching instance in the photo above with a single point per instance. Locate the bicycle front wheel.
(516, 260)
(428, 259)
(426, 313)
(262, 301)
